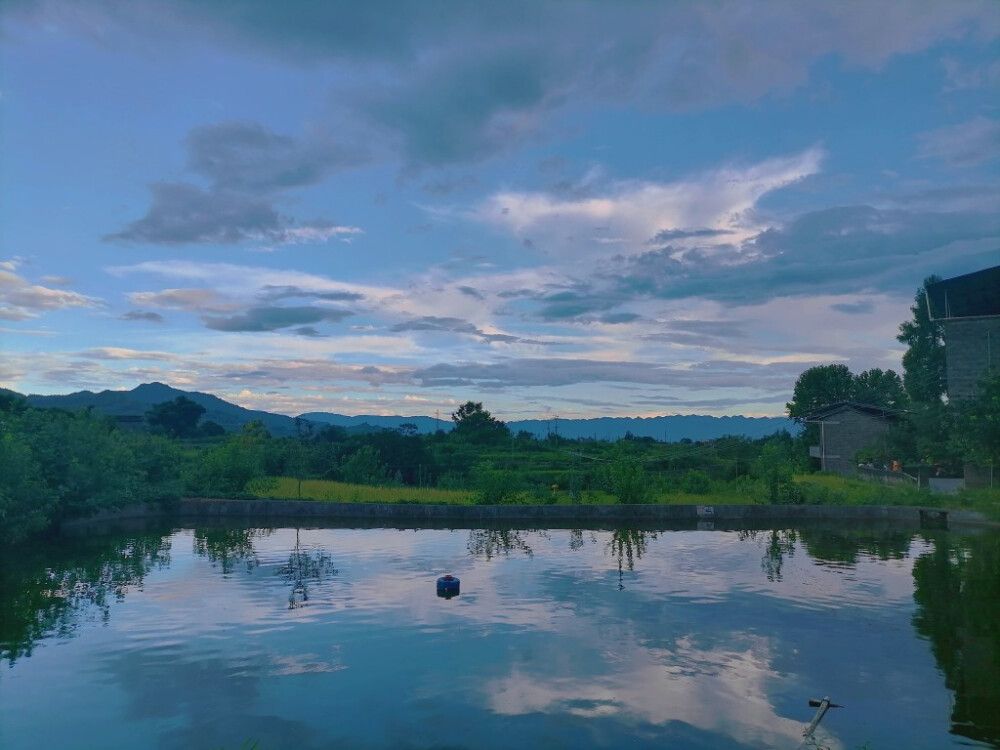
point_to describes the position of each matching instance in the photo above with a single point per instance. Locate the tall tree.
(475, 424)
(924, 373)
(820, 386)
(177, 418)
(877, 387)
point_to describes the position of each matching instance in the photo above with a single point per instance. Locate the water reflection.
(229, 547)
(490, 543)
(707, 649)
(958, 597)
(304, 566)
(848, 547)
(628, 545)
(48, 589)
(777, 544)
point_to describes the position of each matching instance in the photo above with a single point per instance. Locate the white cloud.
(709, 208)
(21, 300)
(961, 77)
(200, 300)
(966, 144)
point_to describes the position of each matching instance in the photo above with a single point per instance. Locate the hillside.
(671, 429)
(140, 399)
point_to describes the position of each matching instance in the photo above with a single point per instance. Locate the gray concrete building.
(845, 429)
(968, 307)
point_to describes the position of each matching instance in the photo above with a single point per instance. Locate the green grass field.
(339, 492)
(820, 489)
(287, 488)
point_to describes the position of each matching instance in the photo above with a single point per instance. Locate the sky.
(570, 208)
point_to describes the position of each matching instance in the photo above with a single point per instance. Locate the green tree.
(365, 466)
(25, 500)
(497, 486)
(977, 433)
(820, 386)
(209, 428)
(476, 425)
(877, 387)
(924, 373)
(176, 419)
(239, 464)
(773, 468)
(625, 476)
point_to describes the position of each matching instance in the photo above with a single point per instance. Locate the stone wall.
(844, 434)
(972, 351)
(539, 516)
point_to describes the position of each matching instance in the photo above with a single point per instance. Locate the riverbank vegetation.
(56, 465)
(60, 465)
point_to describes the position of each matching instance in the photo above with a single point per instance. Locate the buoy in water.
(447, 586)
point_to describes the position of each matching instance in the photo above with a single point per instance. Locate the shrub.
(785, 492)
(696, 482)
(496, 486)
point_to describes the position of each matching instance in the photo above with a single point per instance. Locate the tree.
(876, 387)
(209, 428)
(365, 466)
(625, 476)
(831, 384)
(924, 373)
(177, 418)
(475, 424)
(820, 386)
(978, 422)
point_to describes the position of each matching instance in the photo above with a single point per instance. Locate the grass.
(831, 489)
(819, 489)
(324, 490)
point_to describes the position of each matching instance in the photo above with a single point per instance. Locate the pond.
(231, 637)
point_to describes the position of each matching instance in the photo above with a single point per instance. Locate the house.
(846, 428)
(968, 307)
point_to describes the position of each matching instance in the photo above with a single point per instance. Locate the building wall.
(972, 351)
(844, 434)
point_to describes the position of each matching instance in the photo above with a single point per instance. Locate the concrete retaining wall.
(467, 516)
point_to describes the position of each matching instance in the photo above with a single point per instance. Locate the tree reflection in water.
(490, 543)
(47, 589)
(839, 548)
(628, 545)
(576, 540)
(302, 567)
(957, 591)
(777, 545)
(229, 547)
(827, 547)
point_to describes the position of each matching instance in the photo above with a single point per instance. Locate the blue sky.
(565, 208)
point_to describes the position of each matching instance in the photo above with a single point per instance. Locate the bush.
(496, 486)
(696, 482)
(626, 479)
(785, 492)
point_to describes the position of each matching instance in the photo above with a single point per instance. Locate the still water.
(218, 637)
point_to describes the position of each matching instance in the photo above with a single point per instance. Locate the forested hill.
(141, 399)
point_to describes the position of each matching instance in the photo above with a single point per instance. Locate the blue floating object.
(448, 586)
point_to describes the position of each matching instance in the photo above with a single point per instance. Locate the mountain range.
(140, 399)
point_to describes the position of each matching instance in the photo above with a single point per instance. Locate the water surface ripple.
(322, 638)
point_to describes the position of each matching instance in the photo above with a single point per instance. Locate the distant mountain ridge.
(142, 398)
